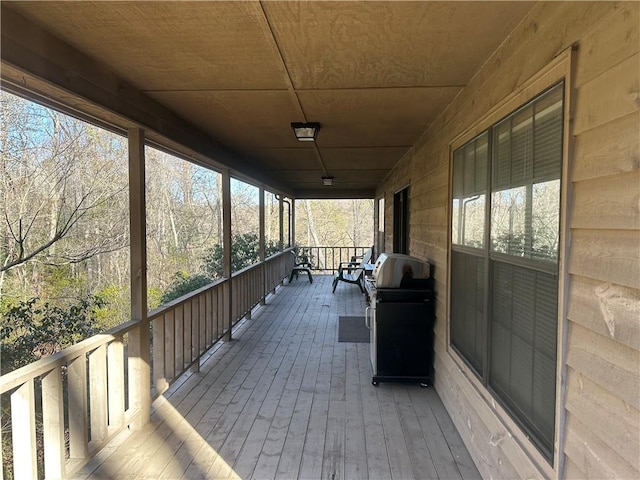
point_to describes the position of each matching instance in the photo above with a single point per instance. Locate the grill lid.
(390, 268)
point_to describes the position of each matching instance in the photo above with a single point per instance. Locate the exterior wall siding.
(599, 433)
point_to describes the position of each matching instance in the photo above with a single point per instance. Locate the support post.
(139, 351)
(262, 250)
(226, 257)
(292, 219)
(281, 223)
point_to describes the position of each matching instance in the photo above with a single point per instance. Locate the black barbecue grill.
(400, 318)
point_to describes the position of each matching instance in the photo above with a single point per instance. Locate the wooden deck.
(286, 400)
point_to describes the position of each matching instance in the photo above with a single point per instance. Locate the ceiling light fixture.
(327, 181)
(305, 132)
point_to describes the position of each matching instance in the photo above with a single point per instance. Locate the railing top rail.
(157, 312)
(23, 374)
(161, 310)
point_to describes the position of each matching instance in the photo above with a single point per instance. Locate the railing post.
(281, 244)
(226, 257)
(139, 341)
(281, 222)
(292, 219)
(262, 252)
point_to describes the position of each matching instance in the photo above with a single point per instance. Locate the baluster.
(77, 388)
(98, 393)
(179, 339)
(23, 421)
(170, 345)
(195, 333)
(186, 323)
(159, 375)
(115, 376)
(53, 424)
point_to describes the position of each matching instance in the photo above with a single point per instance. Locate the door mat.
(352, 329)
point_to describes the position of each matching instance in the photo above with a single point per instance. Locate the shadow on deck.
(286, 400)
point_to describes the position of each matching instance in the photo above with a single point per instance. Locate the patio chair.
(351, 272)
(301, 264)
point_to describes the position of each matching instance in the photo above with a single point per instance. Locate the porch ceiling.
(374, 74)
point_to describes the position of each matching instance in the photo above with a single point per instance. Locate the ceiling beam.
(36, 61)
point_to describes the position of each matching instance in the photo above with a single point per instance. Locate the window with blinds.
(504, 260)
(469, 192)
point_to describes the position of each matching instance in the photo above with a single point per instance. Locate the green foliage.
(30, 329)
(115, 308)
(244, 252)
(182, 284)
(154, 297)
(212, 262)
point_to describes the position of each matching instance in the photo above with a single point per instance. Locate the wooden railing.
(328, 259)
(67, 406)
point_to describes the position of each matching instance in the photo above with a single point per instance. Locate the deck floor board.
(286, 400)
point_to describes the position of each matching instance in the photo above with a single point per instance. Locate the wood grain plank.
(313, 450)
(486, 436)
(610, 149)
(263, 445)
(419, 452)
(607, 255)
(355, 453)
(334, 448)
(608, 309)
(291, 457)
(444, 461)
(606, 362)
(375, 444)
(615, 423)
(612, 95)
(619, 29)
(397, 449)
(592, 456)
(282, 350)
(611, 202)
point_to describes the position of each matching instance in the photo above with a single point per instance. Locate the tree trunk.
(312, 230)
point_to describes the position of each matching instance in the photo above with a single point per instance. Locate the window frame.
(559, 70)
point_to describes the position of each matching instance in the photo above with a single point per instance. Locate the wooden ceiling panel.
(385, 117)
(340, 177)
(277, 159)
(374, 74)
(170, 45)
(300, 177)
(382, 44)
(245, 120)
(382, 158)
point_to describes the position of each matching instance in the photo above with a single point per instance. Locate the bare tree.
(58, 177)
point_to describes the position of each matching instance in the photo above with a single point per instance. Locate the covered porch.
(285, 399)
(249, 380)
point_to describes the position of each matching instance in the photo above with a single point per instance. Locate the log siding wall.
(599, 415)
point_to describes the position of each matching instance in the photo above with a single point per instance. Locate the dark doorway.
(401, 221)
